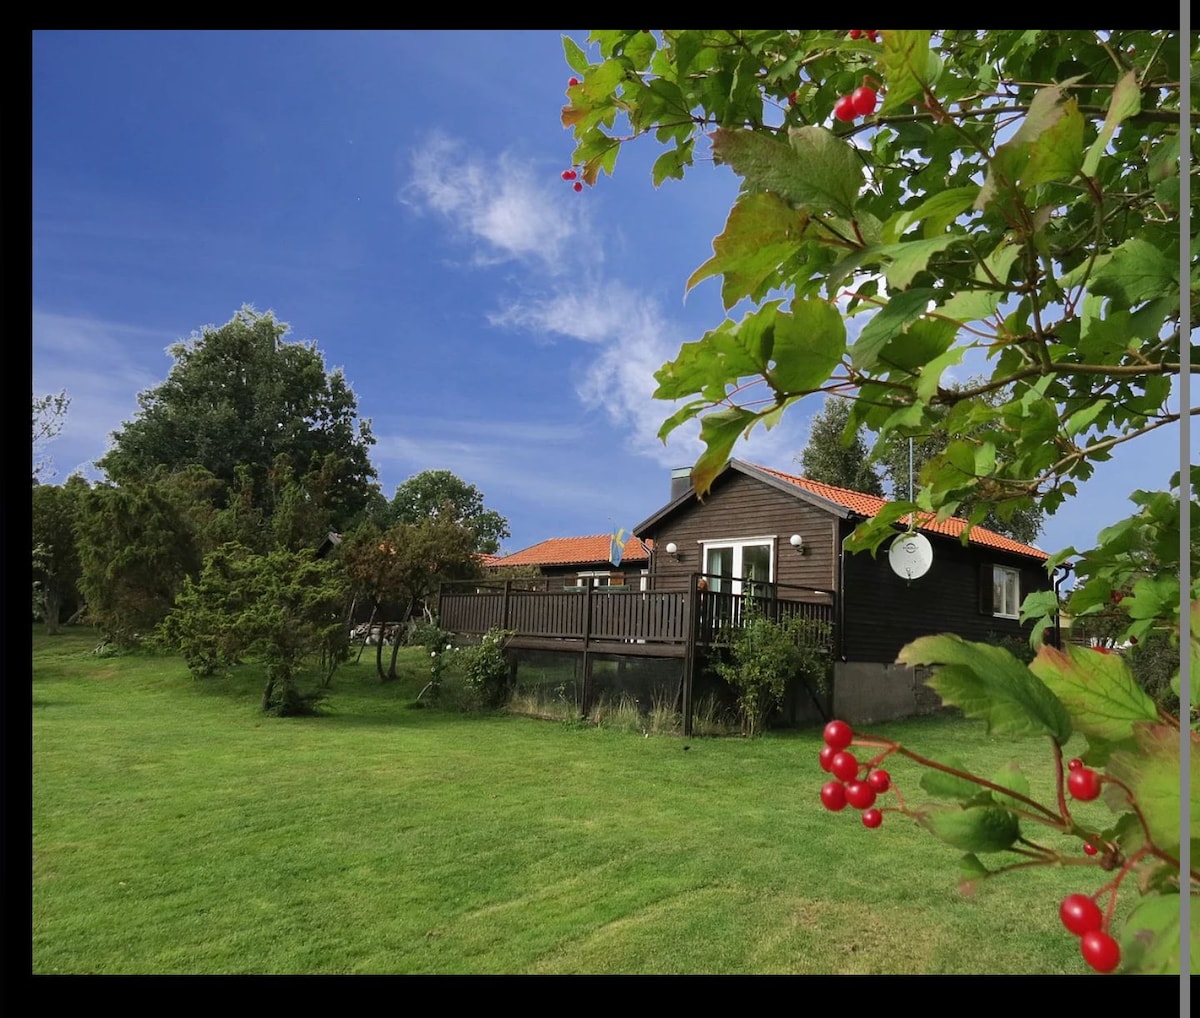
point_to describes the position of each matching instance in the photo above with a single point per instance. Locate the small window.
(1006, 592)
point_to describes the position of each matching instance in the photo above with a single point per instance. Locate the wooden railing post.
(504, 609)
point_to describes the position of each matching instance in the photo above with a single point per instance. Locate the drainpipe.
(1067, 568)
(840, 609)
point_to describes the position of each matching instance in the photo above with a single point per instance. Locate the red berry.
(856, 33)
(1089, 848)
(872, 818)
(1102, 650)
(838, 735)
(833, 795)
(827, 755)
(844, 766)
(1133, 640)
(863, 101)
(572, 82)
(1074, 764)
(1117, 596)
(1080, 914)
(873, 35)
(792, 98)
(578, 186)
(859, 794)
(879, 780)
(569, 174)
(1083, 784)
(843, 109)
(1100, 951)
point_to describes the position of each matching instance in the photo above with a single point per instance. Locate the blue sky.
(396, 196)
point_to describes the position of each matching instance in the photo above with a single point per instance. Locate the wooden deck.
(683, 624)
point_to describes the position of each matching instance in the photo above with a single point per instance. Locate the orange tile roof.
(564, 551)
(869, 505)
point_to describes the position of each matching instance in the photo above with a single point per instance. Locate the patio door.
(733, 562)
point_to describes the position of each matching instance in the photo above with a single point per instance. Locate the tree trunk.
(266, 697)
(396, 646)
(53, 608)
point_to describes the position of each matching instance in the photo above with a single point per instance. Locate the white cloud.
(501, 203)
(103, 366)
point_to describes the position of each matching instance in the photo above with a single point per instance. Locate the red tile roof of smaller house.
(487, 560)
(569, 551)
(869, 505)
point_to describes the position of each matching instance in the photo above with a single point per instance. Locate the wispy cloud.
(500, 204)
(102, 365)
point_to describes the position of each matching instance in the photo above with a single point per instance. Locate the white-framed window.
(1006, 592)
(597, 579)
(731, 561)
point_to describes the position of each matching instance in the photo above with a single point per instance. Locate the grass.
(178, 830)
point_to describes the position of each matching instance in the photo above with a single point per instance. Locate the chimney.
(681, 482)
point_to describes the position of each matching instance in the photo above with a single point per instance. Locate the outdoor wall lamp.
(672, 549)
(797, 542)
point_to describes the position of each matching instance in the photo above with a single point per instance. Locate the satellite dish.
(910, 556)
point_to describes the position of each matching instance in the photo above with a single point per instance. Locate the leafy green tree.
(56, 568)
(401, 567)
(284, 607)
(1001, 197)
(238, 396)
(439, 494)
(838, 456)
(135, 549)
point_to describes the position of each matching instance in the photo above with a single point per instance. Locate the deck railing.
(626, 615)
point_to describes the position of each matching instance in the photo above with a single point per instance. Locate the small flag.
(616, 546)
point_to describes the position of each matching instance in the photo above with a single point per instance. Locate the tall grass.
(178, 830)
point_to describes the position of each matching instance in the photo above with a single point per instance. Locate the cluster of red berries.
(1082, 782)
(1082, 916)
(844, 766)
(859, 103)
(571, 175)
(858, 33)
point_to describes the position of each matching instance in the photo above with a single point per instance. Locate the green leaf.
(718, 431)
(888, 322)
(1010, 777)
(762, 231)
(1137, 271)
(971, 305)
(1151, 772)
(910, 257)
(720, 357)
(1098, 690)
(988, 682)
(670, 164)
(809, 344)
(979, 829)
(949, 786)
(931, 373)
(1125, 102)
(1150, 936)
(909, 66)
(1057, 152)
(814, 168)
(576, 59)
(936, 212)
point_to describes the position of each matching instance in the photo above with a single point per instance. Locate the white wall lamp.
(797, 542)
(672, 549)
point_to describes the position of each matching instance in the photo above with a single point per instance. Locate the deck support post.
(586, 695)
(692, 626)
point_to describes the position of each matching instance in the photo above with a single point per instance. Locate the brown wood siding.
(738, 507)
(883, 612)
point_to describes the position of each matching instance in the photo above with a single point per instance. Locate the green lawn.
(178, 830)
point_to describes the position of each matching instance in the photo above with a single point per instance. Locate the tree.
(1013, 201)
(834, 456)
(135, 549)
(56, 567)
(1023, 524)
(238, 397)
(404, 565)
(49, 413)
(283, 607)
(439, 494)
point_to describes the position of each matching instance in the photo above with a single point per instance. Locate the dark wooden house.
(761, 528)
(773, 541)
